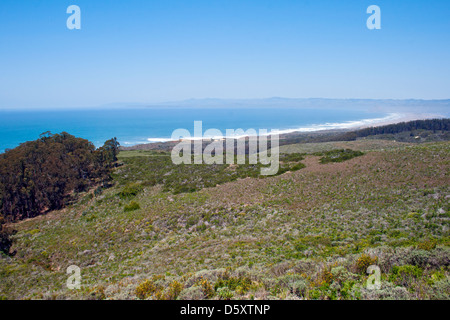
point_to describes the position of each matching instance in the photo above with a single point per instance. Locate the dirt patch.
(312, 163)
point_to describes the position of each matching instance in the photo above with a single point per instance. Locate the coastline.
(132, 129)
(391, 118)
(403, 117)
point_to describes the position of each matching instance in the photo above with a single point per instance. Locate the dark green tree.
(41, 175)
(5, 237)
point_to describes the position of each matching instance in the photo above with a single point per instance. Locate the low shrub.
(224, 293)
(173, 290)
(233, 283)
(405, 275)
(440, 290)
(192, 293)
(130, 190)
(207, 288)
(338, 155)
(133, 205)
(427, 245)
(364, 261)
(146, 289)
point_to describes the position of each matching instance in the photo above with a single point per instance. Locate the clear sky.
(150, 51)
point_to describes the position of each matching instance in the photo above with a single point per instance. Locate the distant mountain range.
(374, 105)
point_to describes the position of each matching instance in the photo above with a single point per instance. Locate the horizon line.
(210, 99)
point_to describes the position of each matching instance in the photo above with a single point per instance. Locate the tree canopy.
(39, 175)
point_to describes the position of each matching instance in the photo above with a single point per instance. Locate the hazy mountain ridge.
(409, 105)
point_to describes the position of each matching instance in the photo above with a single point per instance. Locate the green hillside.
(224, 232)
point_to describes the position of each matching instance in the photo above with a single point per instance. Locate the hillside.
(304, 234)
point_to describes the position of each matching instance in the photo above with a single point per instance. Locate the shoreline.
(391, 118)
(405, 117)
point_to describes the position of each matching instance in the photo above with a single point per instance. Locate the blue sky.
(150, 51)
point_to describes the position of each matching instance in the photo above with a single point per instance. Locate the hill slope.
(304, 234)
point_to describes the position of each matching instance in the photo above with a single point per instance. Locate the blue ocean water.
(144, 125)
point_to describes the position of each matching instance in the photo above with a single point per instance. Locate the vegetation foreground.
(223, 232)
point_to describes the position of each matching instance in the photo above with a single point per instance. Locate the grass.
(305, 234)
(150, 168)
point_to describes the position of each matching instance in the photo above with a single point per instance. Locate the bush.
(207, 288)
(233, 283)
(299, 288)
(146, 289)
(364, 261)
(97, 192)
(173, 290)
(387, 292)
(419, 258)
(405, 275)
(224, 293)
(130, 190)
(292, 157)
(441, 290)
(5, 237)
(192, 293)
(133, 205)
(297, 166)
(325, 277)
(427, 245)
(338, 155)
(341, 275)
(98, 293)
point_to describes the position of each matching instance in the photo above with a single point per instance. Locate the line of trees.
(431, 124)
(435, 125)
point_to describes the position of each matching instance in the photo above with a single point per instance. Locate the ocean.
(145, 125)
